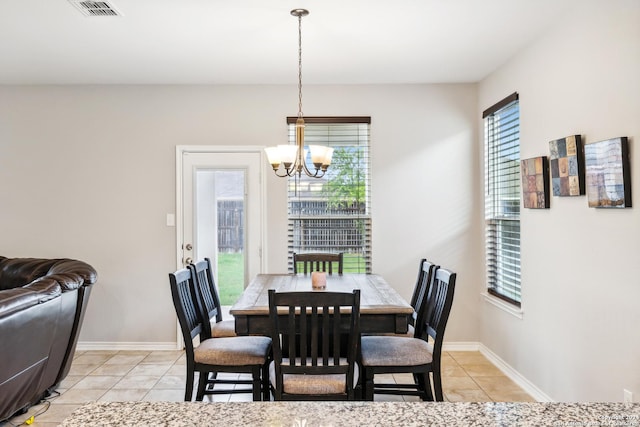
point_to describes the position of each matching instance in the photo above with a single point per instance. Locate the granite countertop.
(316, 414)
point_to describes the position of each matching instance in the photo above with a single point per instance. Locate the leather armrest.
(13, 300)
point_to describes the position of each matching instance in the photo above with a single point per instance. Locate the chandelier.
(292, 158)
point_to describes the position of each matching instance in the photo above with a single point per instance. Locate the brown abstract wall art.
(535, 182)
(608, 174)
(567, 166)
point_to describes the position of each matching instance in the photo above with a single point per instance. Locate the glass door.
(222, 217)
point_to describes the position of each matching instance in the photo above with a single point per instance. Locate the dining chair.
(318, 261)
(242, 354)
(420, 355)
(210, 301)
(420, 292)
(322, 330)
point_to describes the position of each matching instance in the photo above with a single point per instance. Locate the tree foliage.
(346, 179)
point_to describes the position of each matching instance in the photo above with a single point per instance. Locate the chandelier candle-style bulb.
(292, 159)
(321, 156)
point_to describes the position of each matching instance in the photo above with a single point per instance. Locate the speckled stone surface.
(316, 414)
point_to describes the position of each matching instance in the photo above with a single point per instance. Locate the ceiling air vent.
(95, 8)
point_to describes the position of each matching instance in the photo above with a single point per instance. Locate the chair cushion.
(395, 351)
(312, 384)
(233, 351)
(226, 328)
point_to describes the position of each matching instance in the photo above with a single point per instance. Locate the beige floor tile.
(453, 371)
(411, 398)
(126, 359)
(511, 396)
(472, 357)
(91, 359)
(446, 358)
(96, 381)
(124, 395)
(482, 370)
(170, 382)
(403, 378)
(241, 397)
(70, 381)
(387, 398)
(144, 353)
(118, 370)
(229, 376)
(466, 396)
(104, 352)
(177, 370)
(80, 396)
(501, 382)
(383, 378)
(164, 395)
(150, 370)
(459, 383)
(502, 389)
(213, 397)
(182, 360)
(82, 369)
(137, 382)
(161, 357)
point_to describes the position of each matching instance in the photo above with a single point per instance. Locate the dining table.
(382, 309)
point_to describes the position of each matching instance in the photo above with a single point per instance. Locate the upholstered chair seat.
(312, 384)
(395, 351)
(233, 351)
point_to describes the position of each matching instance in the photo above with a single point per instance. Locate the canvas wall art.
(567, 166)
(535, 182)
(608, 174)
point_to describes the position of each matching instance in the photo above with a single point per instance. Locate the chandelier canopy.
(288, 159)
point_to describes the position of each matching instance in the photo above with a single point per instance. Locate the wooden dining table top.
(382, 309)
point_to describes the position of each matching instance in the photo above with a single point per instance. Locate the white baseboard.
(142, 346)
(514, 375)
(461, 346)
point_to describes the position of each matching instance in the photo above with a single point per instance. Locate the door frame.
(214, 149)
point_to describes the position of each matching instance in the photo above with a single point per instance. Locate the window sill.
(514, 311)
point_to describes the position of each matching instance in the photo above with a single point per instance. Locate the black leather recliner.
(42, 305)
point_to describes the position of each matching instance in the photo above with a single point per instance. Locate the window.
(332, 214)
(502, 198)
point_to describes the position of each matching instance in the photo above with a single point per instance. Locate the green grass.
(353, 263)
(230, 277)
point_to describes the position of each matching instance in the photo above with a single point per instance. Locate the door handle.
(188, 246)
(188, 261)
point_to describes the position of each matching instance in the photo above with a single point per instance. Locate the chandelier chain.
(299, 65)
(290, 159)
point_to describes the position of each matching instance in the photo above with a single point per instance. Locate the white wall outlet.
(628, 396)
(171, 220)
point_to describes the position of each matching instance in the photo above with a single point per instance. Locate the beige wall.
(88, 172)
(579, 338)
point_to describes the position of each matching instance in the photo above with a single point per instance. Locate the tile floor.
(159, 376)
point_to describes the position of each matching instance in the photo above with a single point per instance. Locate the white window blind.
(332, 214)
(502, 198)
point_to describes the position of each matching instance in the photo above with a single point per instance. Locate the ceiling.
(255, 41)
